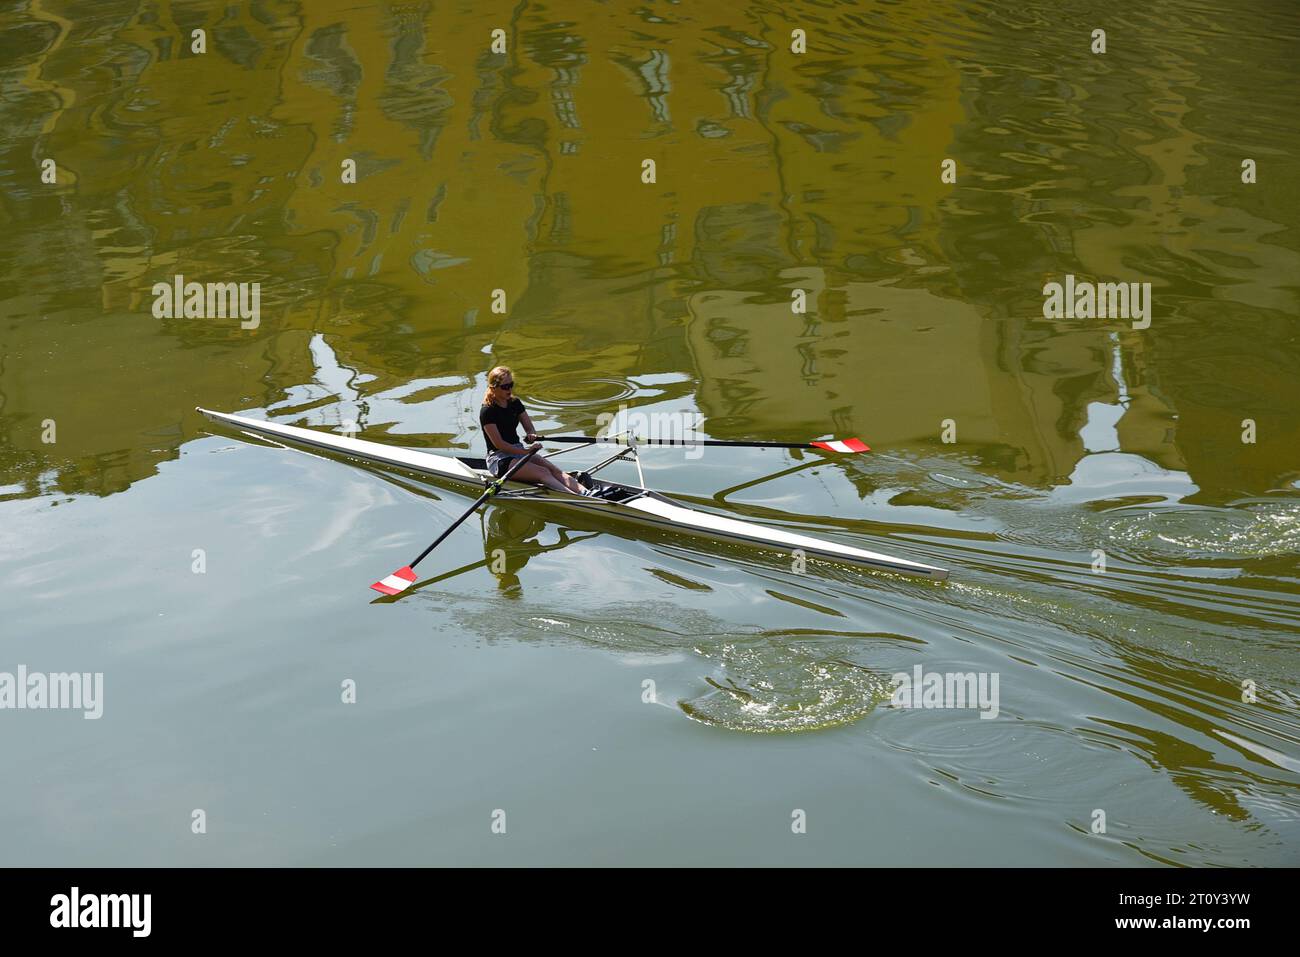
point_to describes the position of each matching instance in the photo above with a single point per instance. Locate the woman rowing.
(499, 418)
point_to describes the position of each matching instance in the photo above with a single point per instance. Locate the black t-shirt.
(505, 419)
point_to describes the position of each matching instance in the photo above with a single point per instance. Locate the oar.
(829, 445)
(402, 579)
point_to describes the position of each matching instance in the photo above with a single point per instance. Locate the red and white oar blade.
(397, 582)
(843, 445)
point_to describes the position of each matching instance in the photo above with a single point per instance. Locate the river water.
(1119, 505)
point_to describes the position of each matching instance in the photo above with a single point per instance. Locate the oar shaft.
(689, 442)
(492, 489)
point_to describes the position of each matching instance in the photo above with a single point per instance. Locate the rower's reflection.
(511, 536)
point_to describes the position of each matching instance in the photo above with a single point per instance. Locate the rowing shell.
(620, 501)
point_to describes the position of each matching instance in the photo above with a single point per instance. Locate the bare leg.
(541, 475)
(569, 482)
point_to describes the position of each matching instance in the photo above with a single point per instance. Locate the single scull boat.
(631, 502)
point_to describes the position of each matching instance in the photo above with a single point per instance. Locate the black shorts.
(498, 462)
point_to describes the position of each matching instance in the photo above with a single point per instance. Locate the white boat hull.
(642, 506)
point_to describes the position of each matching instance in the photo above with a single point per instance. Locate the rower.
(499, 418)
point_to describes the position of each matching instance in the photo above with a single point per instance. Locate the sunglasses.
(505, 385)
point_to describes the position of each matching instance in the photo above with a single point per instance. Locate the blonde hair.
(494, 377)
